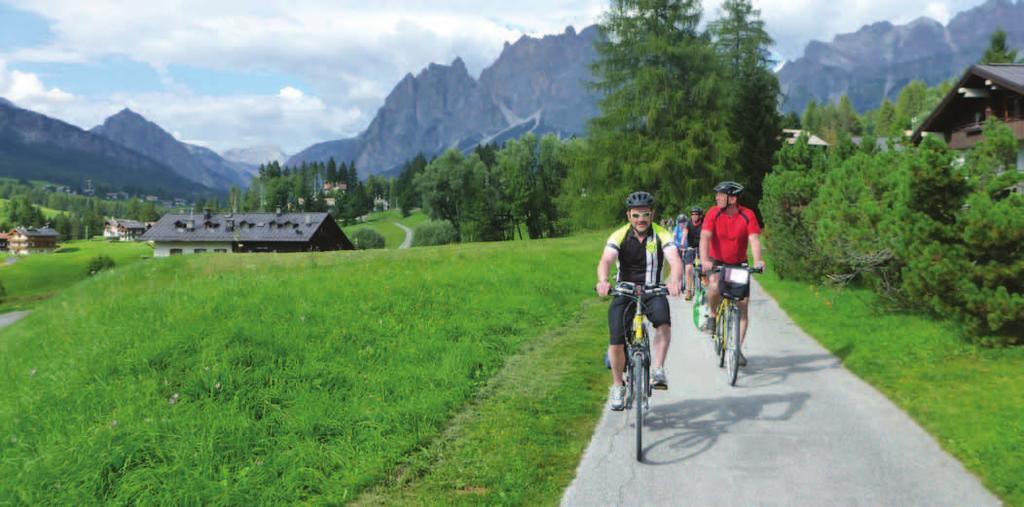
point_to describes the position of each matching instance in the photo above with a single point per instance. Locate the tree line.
(79, 216)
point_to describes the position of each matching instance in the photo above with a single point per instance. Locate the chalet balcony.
(968, 135)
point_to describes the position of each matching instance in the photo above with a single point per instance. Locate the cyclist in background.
(690, 243)
(639, 248)
(728, 229)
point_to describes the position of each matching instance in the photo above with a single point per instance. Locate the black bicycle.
(638, 355)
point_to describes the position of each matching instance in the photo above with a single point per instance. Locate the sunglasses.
(642, 214)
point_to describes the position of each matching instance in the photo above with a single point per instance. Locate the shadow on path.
(771, 370)
(699, 423)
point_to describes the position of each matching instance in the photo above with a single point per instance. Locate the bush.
(433, 233)
(858, 202)
(99, 263)
(788, 190)
(366, 239)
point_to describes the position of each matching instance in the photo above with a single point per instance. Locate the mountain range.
(36, 147)
(536, 85)
(878, 60)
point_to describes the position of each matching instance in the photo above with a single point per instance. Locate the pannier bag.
(735, 283)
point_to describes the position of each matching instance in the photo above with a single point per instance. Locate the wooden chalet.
(119, 229)
(31, 240)
(985, 91)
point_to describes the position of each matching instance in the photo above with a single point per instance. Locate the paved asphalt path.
(798, 429)
(408, 236)
(9, 318)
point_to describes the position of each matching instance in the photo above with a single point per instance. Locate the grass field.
(33, 278)
(47, 212)
(384, 223)
(971, 399)
(281, 379)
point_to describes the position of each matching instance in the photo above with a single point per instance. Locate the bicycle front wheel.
(720, 337)
(732, 324)
(639, 399)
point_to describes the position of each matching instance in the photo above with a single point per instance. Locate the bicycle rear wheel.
(733, 346)
(639, 399)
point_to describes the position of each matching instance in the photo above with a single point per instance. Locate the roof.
(267, 227)
(1009, 76)
(33, 232)
(127, 224)
(792, 135)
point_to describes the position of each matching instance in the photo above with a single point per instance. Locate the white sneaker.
(617, 397)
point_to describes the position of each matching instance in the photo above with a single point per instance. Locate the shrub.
(433, 233)
(788, 190)
(366, 239)
(858, 201)
(99, 263)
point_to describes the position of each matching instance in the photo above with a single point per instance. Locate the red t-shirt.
(729, 234)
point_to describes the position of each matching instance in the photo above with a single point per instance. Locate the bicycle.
(734, 286)
(638, 355)
(700, 309)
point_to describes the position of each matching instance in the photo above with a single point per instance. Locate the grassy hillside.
(384, 223)
(970, 398)
(47, 212)
(30, 279)
(266, 379)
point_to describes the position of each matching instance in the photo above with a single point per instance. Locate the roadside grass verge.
(266, 378)
(521, 441)
(971, 399)
(35, 278)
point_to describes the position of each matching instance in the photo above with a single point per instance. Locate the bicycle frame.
(638, 356)
(726, 337)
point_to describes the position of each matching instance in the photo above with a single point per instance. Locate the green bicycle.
(734, 285)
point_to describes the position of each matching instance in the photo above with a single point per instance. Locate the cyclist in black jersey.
(690, 245)
(640, 249)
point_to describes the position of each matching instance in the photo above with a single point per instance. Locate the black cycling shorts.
(688, 256)
(622, 309)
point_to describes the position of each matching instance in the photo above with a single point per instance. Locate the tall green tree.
(998, 51)
(753, 92)
(661, 126)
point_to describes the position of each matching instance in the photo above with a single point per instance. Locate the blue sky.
(234, 73)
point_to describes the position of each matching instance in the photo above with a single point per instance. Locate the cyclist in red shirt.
(728, 228)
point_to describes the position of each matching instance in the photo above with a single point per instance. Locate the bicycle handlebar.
(630, 289)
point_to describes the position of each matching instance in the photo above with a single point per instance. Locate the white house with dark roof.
(179, 234)
(119, 229)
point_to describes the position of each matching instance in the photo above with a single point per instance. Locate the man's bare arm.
(603, 268)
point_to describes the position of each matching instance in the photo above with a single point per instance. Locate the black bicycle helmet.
(640, 199)
(729, 188)
(697, 210)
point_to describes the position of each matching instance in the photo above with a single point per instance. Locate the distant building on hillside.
(791, 135)
(119, 229)
(177, 234)
(3, 241)
(380, 203)
(30, 240)
(984, 91)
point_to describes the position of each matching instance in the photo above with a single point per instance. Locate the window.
(200, 250)
(175, 251)
(220, 250)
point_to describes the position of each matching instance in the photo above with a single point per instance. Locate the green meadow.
(47, 212)
(971, 399)
(384, 223)
(30, 279)
(295, 378)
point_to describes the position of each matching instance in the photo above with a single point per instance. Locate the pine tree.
(998, 51)
(661, 126)
(743, 45)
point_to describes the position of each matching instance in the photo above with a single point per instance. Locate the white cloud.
(26, 89)
(290, 93)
